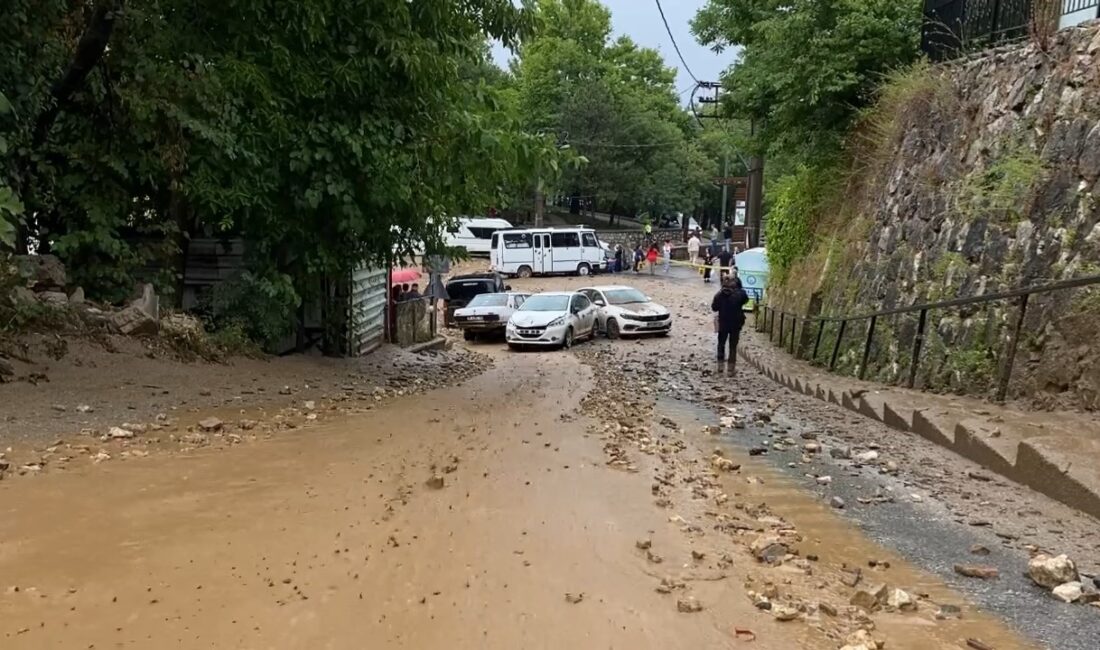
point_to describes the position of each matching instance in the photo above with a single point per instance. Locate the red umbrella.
(397, 276)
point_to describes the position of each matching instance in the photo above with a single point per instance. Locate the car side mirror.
(599, 303)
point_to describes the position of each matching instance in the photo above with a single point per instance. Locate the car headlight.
(560, 320)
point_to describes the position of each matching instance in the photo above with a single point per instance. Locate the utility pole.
(725, 188)
(755, 208)
(539, 204)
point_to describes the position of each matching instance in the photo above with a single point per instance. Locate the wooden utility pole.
(755, 207)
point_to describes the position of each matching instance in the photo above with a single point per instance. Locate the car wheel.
(583, 269)
(524, 272)
(612, 328)
(567, 342)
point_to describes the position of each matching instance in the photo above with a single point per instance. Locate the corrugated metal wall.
(367, 322)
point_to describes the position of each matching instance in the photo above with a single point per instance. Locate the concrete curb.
(1032, 462)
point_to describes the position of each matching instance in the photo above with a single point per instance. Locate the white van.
(474, 234)
(542, 251)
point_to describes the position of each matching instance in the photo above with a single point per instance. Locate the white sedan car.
(625, 311)
(553, 319)
(487, 313)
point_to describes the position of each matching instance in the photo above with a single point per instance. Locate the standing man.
(727, 235)
(728, 306)
(693, 249)
(725, 260)
(666, 250)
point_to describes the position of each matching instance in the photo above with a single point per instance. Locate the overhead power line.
(674, 45)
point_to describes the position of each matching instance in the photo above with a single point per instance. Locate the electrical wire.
(668, 29)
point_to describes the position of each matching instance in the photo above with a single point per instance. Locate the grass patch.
(1005, 190)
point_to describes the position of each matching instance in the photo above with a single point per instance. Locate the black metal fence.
(954, 27)
(794, 331)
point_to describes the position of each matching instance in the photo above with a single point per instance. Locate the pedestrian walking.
(708, 262)
(618, 258)
(639, 256)
(728, 307)
(666, 250)
(693, 249)
(727, 235)
(651, 258)
(713, 234)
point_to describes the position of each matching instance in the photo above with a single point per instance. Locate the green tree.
(806, 67)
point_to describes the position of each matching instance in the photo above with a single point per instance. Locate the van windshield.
(546, 303)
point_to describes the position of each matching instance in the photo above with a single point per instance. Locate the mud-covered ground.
(490, 499)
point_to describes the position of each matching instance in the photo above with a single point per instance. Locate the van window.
(496, 241)
(565, 240)
(590, 240)
(481, 232)
(517, 240)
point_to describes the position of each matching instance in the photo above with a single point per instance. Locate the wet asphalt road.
(924, 533)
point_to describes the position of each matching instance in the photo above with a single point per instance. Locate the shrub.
(261, 308)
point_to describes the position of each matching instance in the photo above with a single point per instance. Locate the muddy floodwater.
(514, 510)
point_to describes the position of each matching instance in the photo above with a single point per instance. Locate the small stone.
(204, 392)
(978, 549)
(901, 601)
(210, 425)
(948, 612)
(891, 467)
(824, 480)
(309, 405)
(84, 408)
(689, 605)
(436, 482)
(870, 598)
(977, 571)
(784, 613)
(811, 447)
(827, 609)
(841, 453)
(653, 557)
(573, 599)
(698, 556)
(837, 503)
(768, 548)
(867, 457)
(100, 457)
(118, 433)
(247, 425)
(285, 390)
(1050, 572)
(1070, 592)
(644, 544)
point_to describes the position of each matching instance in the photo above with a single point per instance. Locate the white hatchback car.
(625, 311)
(553, 319)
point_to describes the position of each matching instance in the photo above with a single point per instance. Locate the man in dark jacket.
(728, 305)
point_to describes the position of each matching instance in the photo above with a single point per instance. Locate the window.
(489, 300)
(496, 241)
(565, 240)
(590, 240)
(546, 303)
(517, 240)
(517, 301)
(625, 296)
(580, 302)
(482, 233)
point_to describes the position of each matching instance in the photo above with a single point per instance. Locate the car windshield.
(489, 300)
(624, 296)
(546, 303)
(463, 290)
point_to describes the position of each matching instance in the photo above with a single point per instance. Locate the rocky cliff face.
(991, 182)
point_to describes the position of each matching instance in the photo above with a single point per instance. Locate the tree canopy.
(615, 103)
(806, 67)
(327, 132)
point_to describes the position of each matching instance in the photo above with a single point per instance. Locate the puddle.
(839, 540)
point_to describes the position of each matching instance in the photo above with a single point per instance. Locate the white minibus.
(542, 251)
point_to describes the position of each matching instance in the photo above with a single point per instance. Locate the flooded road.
(551, 502)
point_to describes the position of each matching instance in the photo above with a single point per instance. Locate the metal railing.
(767, 319)
(954, 27)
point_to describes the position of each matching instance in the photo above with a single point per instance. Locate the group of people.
(642, 254)
(404, 293)
(713, 256)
